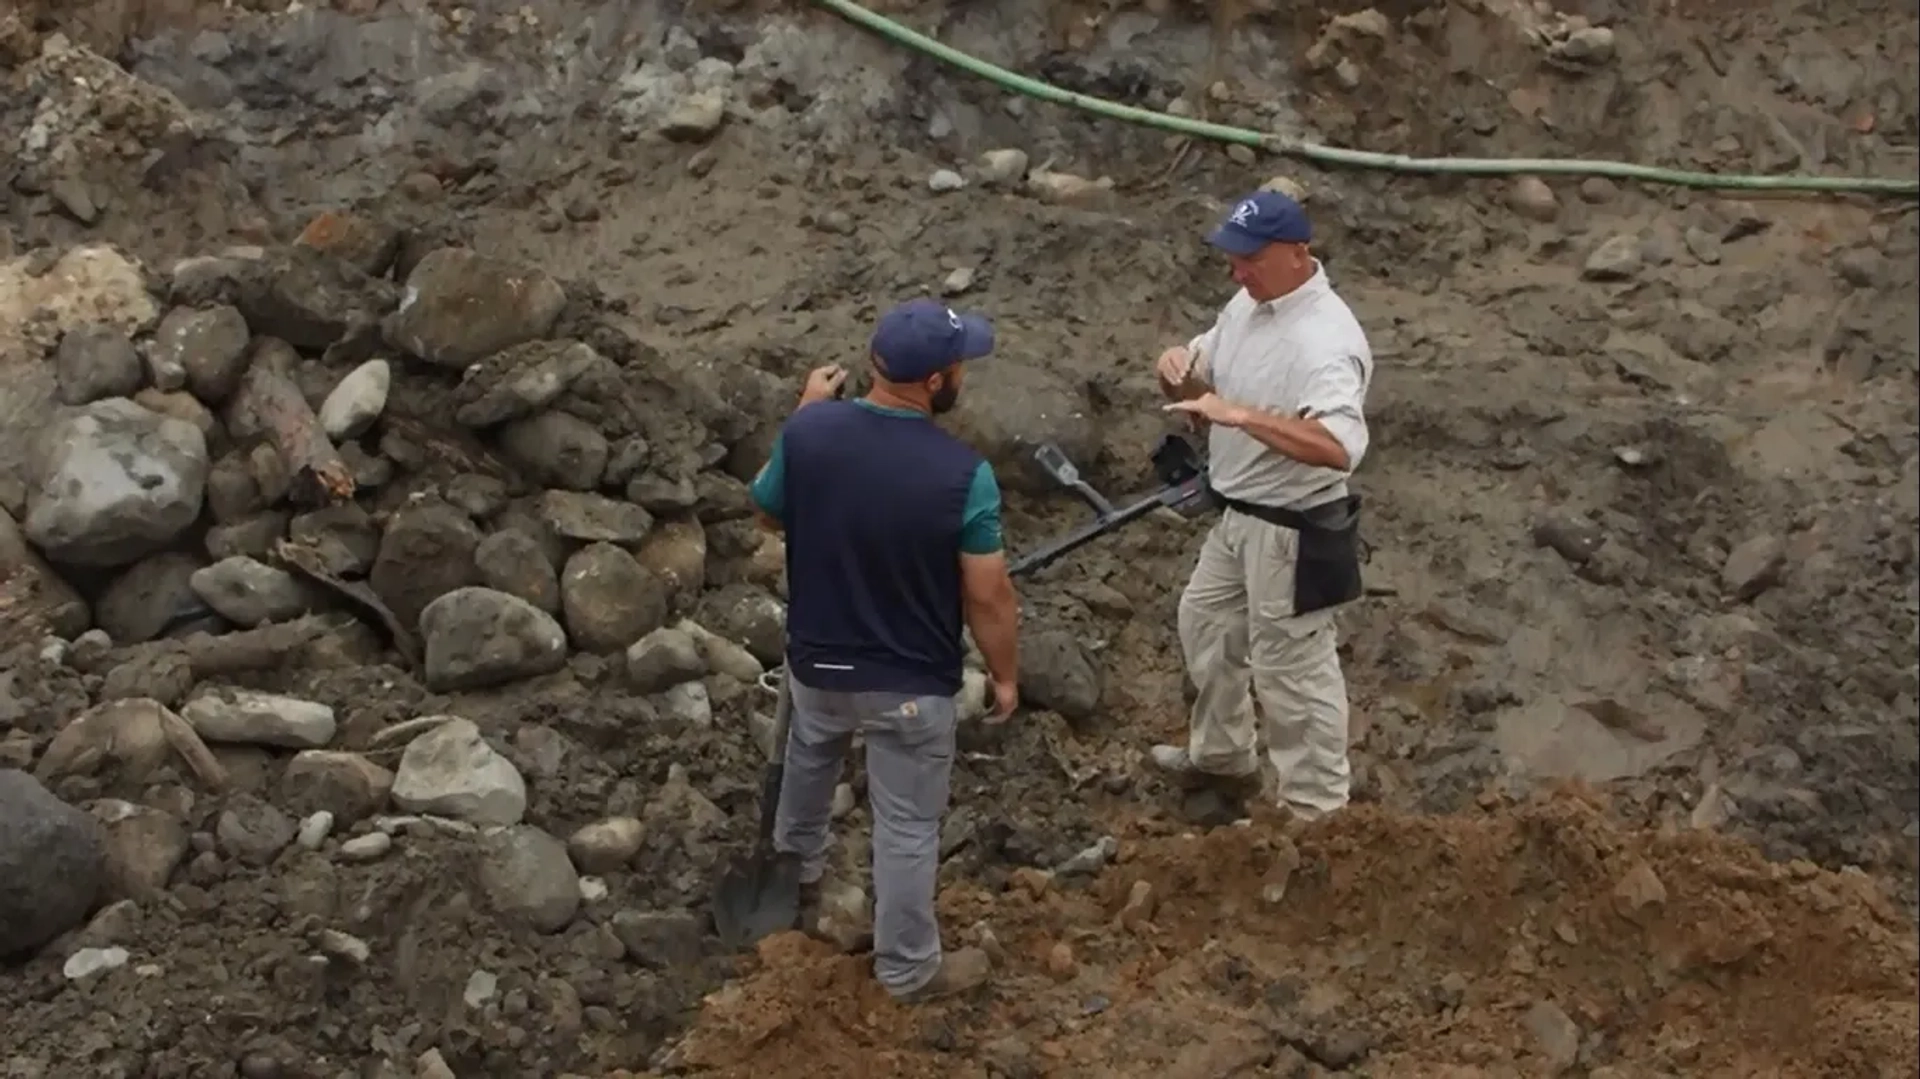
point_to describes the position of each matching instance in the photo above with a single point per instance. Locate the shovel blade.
(756, 898)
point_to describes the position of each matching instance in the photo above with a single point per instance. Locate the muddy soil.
(1644, 495)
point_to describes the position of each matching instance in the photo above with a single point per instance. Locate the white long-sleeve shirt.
(1303, 354)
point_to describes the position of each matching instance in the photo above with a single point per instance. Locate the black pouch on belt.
(1326, 572)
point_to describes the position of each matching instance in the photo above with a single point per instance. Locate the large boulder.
(477, 637)
(1009, 407)
(461, 307)
(52, 864)
(527, 875)
(451, 771)
(207, 346)
(426, 552)
(609, 600)
(151, 597)
(96, 361)
(116, 482)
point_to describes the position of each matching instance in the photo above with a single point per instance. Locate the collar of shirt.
(1294, 301)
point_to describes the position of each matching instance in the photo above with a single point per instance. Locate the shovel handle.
(777, 756)
(778, 683)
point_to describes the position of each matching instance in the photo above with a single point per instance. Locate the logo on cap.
(953, 319)
(1244, 213)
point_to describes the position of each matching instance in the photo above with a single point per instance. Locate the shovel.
(759, 895)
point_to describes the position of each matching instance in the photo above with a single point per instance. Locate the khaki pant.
(1243, 644)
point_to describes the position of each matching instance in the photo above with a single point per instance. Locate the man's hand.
(1212, 408)
(822, 383)
(1006, 698)
(1174, 365)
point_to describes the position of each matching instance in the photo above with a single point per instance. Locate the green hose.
(1333, 155)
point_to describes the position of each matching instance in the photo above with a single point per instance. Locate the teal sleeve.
(980, 522)
(770, 486)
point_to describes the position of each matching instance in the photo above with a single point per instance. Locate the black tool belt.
(1326, 572)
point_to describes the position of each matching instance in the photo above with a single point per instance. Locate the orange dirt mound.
(1525, 940)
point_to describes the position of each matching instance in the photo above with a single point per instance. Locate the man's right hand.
(1006, 698)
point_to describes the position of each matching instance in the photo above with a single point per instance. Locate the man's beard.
(944, 399)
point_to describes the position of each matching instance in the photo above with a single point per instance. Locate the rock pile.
(352, 451)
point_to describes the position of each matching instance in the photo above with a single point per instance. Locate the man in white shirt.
(1280, 383)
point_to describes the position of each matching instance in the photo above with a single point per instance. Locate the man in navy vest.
(893, 543)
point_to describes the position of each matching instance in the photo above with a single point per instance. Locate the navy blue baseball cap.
(1262, 218)
(920, 337)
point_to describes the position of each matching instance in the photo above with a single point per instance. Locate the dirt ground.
(1636, 707)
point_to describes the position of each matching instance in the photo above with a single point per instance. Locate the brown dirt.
(1434, 931)
(1424, 945)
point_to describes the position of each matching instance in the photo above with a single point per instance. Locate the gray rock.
(357, 401)
(117, 482)
(1555, 1035)
(1618, 259)
(556, 449)
(95, 361)
(605, 845)
(347, 785)
(1057, 673)
(344, 537)
(696, 118)
(152, 595)
(477, 637)
(1002, 168)
(1019, 407)
(625, 458)
(52, 864)
(676, 552)
(460, 307)
(519, 381)
(663, 659)
(527, 875)
(655, 493)
(230, 489)
(609, 600)
(687, 705)
(479, 497)
(366, 848)
(723, 656)
(246, 717)
(310, 300)
(426, 553)
(143, 847)
(248, 537)
(660, 940)
(451, 771)
(591, 518)
(253, 832)
(513, 562)
(208, 346)
(743, 613)
(42, 596)
(1753, 567)
(248, 592)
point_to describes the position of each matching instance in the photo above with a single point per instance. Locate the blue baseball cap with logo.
(1262, 218)
(920, 337)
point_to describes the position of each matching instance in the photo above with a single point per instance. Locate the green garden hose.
(1333, 155)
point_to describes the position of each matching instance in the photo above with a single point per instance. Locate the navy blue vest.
(874, 505)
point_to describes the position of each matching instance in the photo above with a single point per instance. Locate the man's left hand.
(1212, 408)
(823, 383)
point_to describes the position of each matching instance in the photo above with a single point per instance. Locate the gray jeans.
(909, 773)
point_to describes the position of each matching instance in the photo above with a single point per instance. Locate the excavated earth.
(1634, 686)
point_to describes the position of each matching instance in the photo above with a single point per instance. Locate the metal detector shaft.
(1168, 497)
